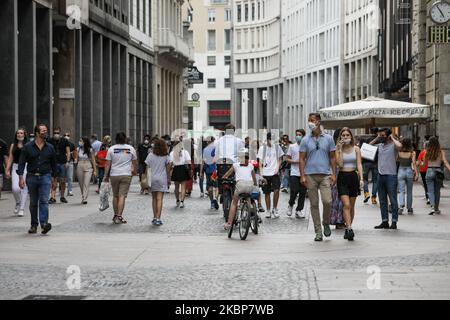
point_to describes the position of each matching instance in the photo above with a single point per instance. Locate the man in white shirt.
(270, 157)
(297, 188)
(228, 146)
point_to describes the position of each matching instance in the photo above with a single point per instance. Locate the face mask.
(146, 142)
(57, 136)
(312, 126)
(382, 140)
(81, 144)
(299, 139)
(347, 141)
(152, 145)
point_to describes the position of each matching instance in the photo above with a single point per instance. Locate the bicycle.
(246, 216)
(226, 187)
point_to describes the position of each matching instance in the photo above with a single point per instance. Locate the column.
(87, 82)
(107, 87)
(97, 96)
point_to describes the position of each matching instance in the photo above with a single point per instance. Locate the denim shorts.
(62, 171)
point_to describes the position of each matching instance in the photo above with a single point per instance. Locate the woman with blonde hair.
(350, 179)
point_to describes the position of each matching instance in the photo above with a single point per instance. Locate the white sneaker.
(181, 205)
(16, 209)
(21, 213)
(275, 213)
(300, 215)
(290, 211)
(70, 194)
(268, 214)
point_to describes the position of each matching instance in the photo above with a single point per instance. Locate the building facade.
(211, 32)
(257, 93)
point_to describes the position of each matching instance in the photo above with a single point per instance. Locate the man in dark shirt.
(3, 160)
(143, 151)
(62, 149)
(40, 158)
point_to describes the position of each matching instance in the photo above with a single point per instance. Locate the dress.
(158, 172)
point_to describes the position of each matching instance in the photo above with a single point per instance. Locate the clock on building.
(440, 12)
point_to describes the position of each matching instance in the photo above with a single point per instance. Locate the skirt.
(180, 174)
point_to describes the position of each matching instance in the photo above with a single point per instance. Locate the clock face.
(440, 12)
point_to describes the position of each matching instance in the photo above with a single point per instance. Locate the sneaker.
(70, 194)
(290, 211)
(32, 230)
(300, 214)
(51, 200)
(16, 209)
(384, 225)
(327, 230)
(154, 222)
(261, 210)
(181, 205)
(216, 205)
(21, 213)
(84, 202)
(438, 212)
(178, 203)
(346, 234)
(259, 219)
(318, 237)
(275, 213)
(374, 201)
(350, 235)
(284, 190)
(411, 212)
(428, 202)
(393, 226)
(400, 211)
(63, 200)
(269, 214)
(202, 195)
(366, 197)
(159, 223)
(46, 228)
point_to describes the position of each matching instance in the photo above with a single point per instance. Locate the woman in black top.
(20, 195)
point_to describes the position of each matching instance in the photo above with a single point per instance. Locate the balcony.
(175, 46)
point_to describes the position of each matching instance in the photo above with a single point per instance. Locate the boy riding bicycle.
(245, 183)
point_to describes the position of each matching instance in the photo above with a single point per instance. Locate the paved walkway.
(190, 256)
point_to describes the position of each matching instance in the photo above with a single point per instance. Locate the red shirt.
(421, 158)
(102, 155)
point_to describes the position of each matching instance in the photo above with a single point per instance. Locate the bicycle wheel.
(254, 220)
(235, 223)
(245, 222)
(226, 204)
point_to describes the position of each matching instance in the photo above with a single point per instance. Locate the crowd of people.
(316, 163)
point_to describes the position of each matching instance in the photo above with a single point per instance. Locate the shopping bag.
(105, 192)
(144, 180)
(369, 152)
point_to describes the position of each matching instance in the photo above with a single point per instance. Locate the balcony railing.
(168, 39)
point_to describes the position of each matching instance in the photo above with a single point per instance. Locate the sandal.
(119, 220)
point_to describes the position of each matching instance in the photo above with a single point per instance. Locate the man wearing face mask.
(143, 150)
(388, 148)
(318, 172)
(62, 149)
(296, 188)
(40, 158)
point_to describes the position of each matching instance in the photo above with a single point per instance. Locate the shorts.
(180, 174)
(245, 187)
(273, 184)
(348, 184)
(61, 171)
(210, 183)
(120, 185)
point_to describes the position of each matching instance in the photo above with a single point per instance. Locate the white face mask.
(312, 126)
(347, 141)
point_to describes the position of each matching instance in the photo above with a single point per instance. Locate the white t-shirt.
(121, 157)
(294, 153)
(228, 147)
(185, 158)
(83, 156)
(243, 173)
(269, 160)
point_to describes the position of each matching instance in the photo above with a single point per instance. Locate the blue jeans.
(405, 184)
(387, 187)
(434, 188)
(69, 172)
(285, 181)
(367, 167)
(39, 189)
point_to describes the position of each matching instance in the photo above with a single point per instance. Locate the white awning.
(375, 112)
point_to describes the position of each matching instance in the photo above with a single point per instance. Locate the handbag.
(440, 174)
(105, 192)
(144, 179)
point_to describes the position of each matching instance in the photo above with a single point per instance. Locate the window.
(211, 83)
(227, 60)
(246, 12)
(239, 39)
(253, 11)
(239, 13)
(227, 83)
(212, 40)
(212, 15)
(227, 15)
(227, 45)
(211, 60)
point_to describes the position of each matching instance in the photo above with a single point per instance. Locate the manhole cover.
(53, 297)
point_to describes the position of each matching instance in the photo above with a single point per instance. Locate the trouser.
(425, 185)
(434, 188)
(285, 181)
(405, 184)
(69, 174)
(39, 188)
(297, 189)
(84, 175)
(387, 187)
(101, 175)
(322, 183)
(20, 195)
(367, 168)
